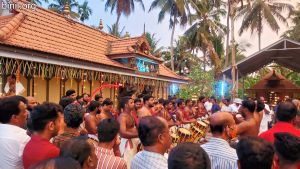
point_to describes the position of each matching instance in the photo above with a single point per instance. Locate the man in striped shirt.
(108, 137)
(221, 155)
(155, 137)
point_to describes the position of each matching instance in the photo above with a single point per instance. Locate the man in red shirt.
(45, 120)
(285, 116)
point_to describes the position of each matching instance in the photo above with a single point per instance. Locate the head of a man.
(287, 148)
(11, 79)
(94, 107)
(262, 99)
(148, 100)
(107, 105)
(73, 115)
(154, 132)
(180, 104)
(188, 156)
(247, 108)
(71, 93)
(168, 105)
(286, 112)
(108, 131)
(31, 103)
(82, 150)
(226, 101)
(47, 119)
(260, 106)
(65, 101)
(254, 152)
(137, 103)
(223, 125)
(127, 103)
(99, 98)
(201, 99)
(13, 111)
(189, 103)
(85, 97)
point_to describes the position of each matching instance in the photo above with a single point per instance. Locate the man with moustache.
(249, 126)
(128, 130)
(46, 121)
(146, 110)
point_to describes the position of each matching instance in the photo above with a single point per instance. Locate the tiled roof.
(46, 31)
(126, 46)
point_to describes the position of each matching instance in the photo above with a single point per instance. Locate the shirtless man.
(189, 109)
(146, 110)
(128, 130)
(182, 116)
(201, 108)
(258, 114)
(249, 126)
(106, 110)
(91, 120)
(168, 114)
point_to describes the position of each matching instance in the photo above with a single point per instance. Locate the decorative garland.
(48, 71)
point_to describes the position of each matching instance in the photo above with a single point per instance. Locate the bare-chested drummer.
(168, 113)
(249, 126)
(182, 116)
(128, 130)
(189, 109)
(146, 110)
(91, 120)
(106, 110)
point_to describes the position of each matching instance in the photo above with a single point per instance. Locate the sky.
(134, 24)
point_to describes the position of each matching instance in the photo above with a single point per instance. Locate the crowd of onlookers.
(90, 133)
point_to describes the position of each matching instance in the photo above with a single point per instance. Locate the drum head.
(184, 131)
(202, 123)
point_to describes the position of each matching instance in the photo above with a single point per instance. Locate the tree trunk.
(204, 59)
(233, 71)
(118, 19)
(227, 37)
(171, 44)
(259, 31)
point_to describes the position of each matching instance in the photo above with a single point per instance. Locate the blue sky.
(134, 24)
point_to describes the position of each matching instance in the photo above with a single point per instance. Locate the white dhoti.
(128, 149)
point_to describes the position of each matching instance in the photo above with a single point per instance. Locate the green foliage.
(202, 83)
(153, 42)
(84, 11)
(115, 30)
(58, 6)
(294, 32)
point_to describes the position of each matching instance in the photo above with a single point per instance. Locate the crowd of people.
(96, 133)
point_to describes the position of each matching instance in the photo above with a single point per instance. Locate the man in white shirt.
(234, 107)
(208, 105)
(221, 155)
(267, 117)
(225, 106)
(13, 137)
(155, 137)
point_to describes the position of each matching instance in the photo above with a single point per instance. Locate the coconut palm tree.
(178, 10)
(206, 27)
(263, 12)
(114, 30)
(84, 11)
(125, 7)
(59, 5)
(153, 42)
(294, 31)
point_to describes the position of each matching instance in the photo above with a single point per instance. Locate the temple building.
(274, 87)
(51, 53)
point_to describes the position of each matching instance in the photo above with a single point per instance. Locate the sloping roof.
(45, 31)
(282, 83)
(127, 46)
(284, 52)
